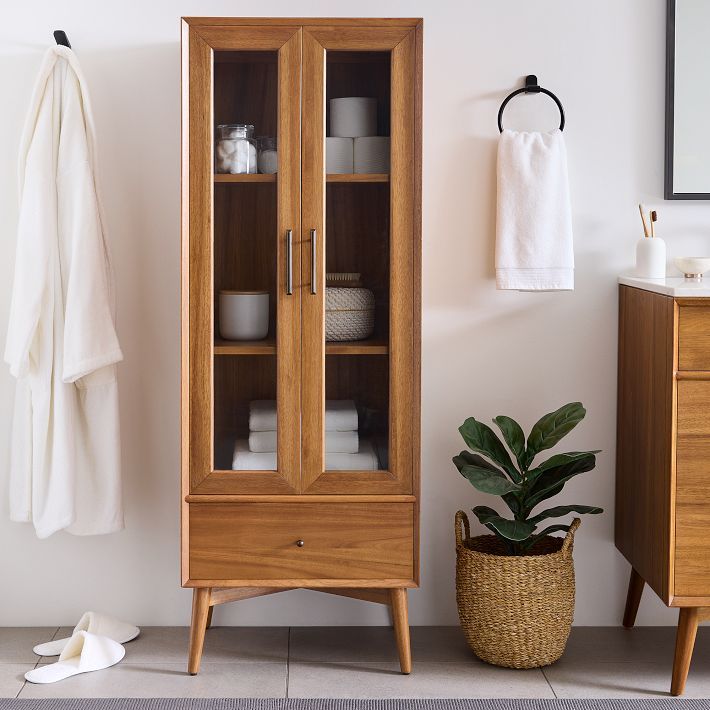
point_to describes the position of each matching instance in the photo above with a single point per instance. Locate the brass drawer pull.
(300, 543)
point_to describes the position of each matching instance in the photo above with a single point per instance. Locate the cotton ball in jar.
(244, 158)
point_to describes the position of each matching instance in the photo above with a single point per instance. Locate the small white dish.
(693, 267)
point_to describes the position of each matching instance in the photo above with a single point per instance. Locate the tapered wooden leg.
(684, 642)
(400, 616)
(200, 611)
(209, 618)
(633, 598)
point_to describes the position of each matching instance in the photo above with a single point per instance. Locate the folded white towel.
(364, 460)
(534, 222)
(340, 415)
(336, 442)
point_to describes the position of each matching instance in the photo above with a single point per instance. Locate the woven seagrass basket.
(349, 313)
(515, 611)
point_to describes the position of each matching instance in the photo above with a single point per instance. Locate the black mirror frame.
(668, 192)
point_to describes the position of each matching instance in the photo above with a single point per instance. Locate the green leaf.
(485, 514)
(551, 481)
(559, 510)
(536, 538)
(514, 437)
(512, 500)
(481, 438)
(515, 530)
(558, 460)
(494, 482)
(551, 529)
(466, 458)
(552, 427)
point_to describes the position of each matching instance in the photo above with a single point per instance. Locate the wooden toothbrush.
(654, 219)
(643, 219)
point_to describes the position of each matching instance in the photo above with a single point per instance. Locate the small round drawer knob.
(300, 543)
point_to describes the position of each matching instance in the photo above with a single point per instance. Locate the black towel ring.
(531, 87)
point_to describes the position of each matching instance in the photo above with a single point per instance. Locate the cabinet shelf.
(331, 177)
(245, 177)
(357, 177)
(245, 347)
(358, 347)
(268, 347)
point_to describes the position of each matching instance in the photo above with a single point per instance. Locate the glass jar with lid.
(235, 149)
(268, 156)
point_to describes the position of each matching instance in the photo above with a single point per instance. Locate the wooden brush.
(654, 219)
(643, 219)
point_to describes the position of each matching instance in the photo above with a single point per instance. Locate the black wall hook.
(531, 87)
(61, 38)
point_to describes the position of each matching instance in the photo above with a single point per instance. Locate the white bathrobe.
(65, 469)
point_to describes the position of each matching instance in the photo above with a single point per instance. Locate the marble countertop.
(672, 286)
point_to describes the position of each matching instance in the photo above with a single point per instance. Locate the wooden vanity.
(662, 523)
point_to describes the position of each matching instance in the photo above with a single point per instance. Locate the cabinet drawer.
(694, 338)
(258, 541)
(692, 515)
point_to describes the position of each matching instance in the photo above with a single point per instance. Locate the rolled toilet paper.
(339, 155)
(353, 116)
(371, 154)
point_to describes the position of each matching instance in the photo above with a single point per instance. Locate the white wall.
(484, 352)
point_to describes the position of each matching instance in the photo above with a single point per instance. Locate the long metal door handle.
(289, 262)
(314, 263)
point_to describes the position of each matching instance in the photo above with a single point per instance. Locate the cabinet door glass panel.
(358, 244)
(357, 258)
(245, 253)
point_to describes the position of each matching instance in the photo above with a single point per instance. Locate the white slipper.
(85, 652)
(97, 624)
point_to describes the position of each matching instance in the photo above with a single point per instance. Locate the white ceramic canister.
(651, 258)
(244, 315)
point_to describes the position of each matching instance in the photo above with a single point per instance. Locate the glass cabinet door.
(243, 223)
(357, 259)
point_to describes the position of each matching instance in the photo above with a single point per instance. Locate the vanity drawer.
(694, 338)
(259, 541)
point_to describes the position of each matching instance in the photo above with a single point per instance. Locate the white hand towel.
(336, 442)
(340, 415)
(534, 249)
(364, 460)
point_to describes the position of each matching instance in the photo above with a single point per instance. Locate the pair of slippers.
(95, 644)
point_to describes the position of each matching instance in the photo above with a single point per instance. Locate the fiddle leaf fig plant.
(509, 473)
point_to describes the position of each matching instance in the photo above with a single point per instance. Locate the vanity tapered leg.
(684, 643)
(633, 598)
(400, 617)
(209, 618)
(200, 612)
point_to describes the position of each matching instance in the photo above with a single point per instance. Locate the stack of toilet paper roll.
(353, 145)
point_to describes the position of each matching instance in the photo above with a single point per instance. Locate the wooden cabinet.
(663, 457)
(298, 515)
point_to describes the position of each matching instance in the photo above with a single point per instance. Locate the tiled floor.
(359, 663)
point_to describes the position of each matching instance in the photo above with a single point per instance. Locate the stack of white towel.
(344, 449)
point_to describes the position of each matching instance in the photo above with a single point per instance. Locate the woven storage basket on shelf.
(349, 313)
(515, 611)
